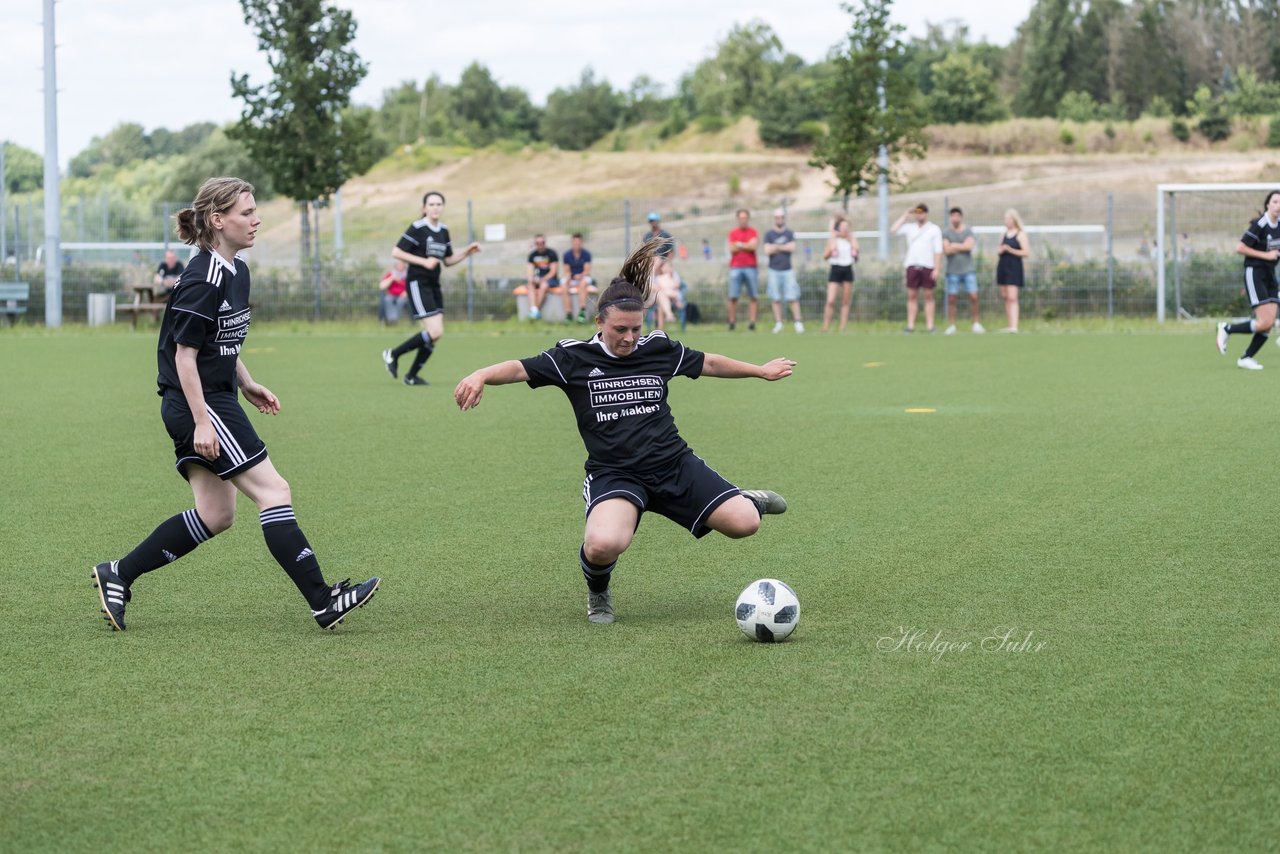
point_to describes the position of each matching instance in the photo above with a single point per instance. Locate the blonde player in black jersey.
(217, 449)
(636, 460)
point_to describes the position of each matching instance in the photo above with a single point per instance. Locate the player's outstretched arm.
(715, 365)
(469, 391)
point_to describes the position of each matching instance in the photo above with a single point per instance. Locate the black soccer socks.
(175, 537)
(597, 576)
(289, 546)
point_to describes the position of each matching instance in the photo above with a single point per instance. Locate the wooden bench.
(12, 293)
(553, 305)
(145, 299)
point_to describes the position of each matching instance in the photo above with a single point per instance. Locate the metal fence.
(1092, 254)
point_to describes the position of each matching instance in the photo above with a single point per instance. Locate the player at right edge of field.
(636, 459)
(1260, 247)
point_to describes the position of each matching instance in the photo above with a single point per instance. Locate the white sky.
(167, 63)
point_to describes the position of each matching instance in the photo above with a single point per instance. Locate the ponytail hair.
(632, 288)
(217, 195)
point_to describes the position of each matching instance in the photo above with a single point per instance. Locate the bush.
(1180, 131)
(712, 123)
(1077, 107)
(1215, 126)
(1273, 133)
(1066, 137)
(1159, 108)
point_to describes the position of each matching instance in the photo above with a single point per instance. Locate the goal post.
(1167, 229)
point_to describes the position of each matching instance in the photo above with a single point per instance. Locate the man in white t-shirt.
(922, 262)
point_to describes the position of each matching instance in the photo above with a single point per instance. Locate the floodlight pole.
(882, 180)
(4, 222)
(52, 197)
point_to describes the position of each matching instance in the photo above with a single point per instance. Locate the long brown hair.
(217, 195)
(634, 282)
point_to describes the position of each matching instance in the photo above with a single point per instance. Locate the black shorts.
(425, 300)
(686, 492)
(840, 273)
(239, 448)
(1260, 285)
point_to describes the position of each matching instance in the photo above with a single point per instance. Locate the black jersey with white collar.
(620, 403)
(421, 239)
(208, 310)
(1264, 237)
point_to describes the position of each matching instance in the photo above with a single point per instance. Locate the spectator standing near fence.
(656, 232)
(841, 250)
(217, 449)
(426, 248)
(577, 268)
(922, 262)
(958, 244)
(1013, 248)
(1260, 246)
(744, 269)
(779, 244)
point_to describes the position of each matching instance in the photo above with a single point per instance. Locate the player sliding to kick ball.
(636, 460)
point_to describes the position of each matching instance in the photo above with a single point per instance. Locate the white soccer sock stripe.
(277, 515)
(195, 526)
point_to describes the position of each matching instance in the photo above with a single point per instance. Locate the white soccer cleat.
(777, 327)
(1248, 363)
(950, 330)
(978, 328)
(800, 330)
(1223, 337)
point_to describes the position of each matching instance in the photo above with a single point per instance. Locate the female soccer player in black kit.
(636, 460)
(425, 246)
(217, 449)
(1260, 246)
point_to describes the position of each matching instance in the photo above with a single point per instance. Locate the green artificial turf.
(1102, 498)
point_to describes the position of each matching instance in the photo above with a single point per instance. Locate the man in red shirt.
(743, 241)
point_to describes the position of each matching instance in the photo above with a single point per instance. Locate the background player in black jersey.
(217, 449)
(636, 460)
(1260, 247)
(424, 246)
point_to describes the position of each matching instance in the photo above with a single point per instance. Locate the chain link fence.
(1092, 254)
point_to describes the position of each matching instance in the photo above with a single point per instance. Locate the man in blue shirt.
(577, 262)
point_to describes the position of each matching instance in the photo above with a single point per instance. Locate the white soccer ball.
(767, 611)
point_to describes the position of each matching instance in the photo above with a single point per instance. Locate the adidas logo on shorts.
(596, 372)
(305, 553)
(226, 306)
(169, 556)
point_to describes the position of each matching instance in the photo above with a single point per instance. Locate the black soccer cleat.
(415, 381)
(343, 599)
(392, 363)
(767, 501)
(113, 593)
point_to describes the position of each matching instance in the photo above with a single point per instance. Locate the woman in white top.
(842, 250)
(666, 282)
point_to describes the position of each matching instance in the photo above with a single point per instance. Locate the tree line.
(1194, 60)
